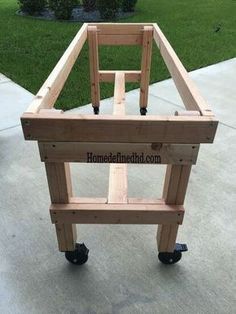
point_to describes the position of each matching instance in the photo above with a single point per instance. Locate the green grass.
(29, 48)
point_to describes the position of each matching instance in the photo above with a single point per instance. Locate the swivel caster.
(143, 111)
(79, 256)
(96, 110)
(172, 258)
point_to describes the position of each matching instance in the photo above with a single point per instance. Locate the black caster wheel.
(79, 256)
(96, 110)
(172, 258)
(143, 111)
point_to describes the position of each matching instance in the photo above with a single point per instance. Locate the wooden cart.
(172, 140)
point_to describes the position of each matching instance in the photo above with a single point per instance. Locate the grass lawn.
(29, 48)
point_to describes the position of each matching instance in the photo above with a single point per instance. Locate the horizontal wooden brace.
(109, 128)
(146, 153)
(118, 40)
(109, 76)
(104, 200)
(159, 213)
(120, 28)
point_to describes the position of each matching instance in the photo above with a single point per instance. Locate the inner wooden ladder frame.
(65, 138)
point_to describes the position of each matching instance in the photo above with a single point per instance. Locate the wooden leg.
(66, 237)
(59, 182)
(175, 186)
(146, 65)
(94, 65)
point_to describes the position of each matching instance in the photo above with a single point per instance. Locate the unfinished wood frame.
(173, 140)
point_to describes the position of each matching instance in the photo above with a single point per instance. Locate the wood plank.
(120, 40)
(120, 28)
(146, 65)
(174, 192)
(117, 213)
(109, 76)
(187, 113)
(59, 182)
(188, 91)
(136, 200)
(60, 188)
(51, 111)
(119, 94)
(129, 129)
(94, 65)
(166, 237)
(88, 200)
(118, 184)
(145, 153)
(48, 93)
(103, 200)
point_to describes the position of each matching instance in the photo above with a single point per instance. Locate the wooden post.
(146, 65)
(94, 65)
(59, 182)
(175, 186)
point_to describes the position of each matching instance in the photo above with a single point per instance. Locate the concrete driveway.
(123, 274)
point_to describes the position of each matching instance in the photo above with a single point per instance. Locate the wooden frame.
(172, 140)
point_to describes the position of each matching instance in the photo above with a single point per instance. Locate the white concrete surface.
(13, 101)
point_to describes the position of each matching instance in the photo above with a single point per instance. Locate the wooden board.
(60, 188)
(120, 40)
(120, 28)
(146, 65)
(146, 153)
(118, 183)
(109, 76)
(175, 186)
(129, 129)
(116, 213)
(94, 65)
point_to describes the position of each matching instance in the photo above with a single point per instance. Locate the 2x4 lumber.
(117, 192)
(60, 188)
(120, 40)
(88, 200)
(126, 129)
(116, 213)
(187, 113)
(189, 93)
(59, 181)
(94, 65)
(149, 153)
(120, 28)
(48, 93)
(103, 200)
(175, 186)
(109, 76)
(118, 185)
(174, 191)
(51, 111)
(146, 65)
(119, 94)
